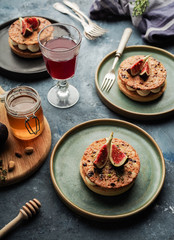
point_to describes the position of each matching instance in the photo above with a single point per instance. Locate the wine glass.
(60, 45)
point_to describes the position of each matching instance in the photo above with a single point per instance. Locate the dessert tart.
(141, 78)
(23, 36)
(110, 166)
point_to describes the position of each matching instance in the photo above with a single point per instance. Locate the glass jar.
(24, 112)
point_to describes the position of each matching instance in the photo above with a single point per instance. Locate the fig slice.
(22, 25)
(136, 68)
(117, 157)
(25, 28)
(34, 22)
(144, 74)
(102, 155)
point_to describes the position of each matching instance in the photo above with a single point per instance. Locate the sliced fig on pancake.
(144, 74)
(103, 154)
(26, 29)
(117, 157)
(34, 22)
(136, 68)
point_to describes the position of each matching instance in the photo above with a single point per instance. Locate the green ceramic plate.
(65, 161)
(121, 104)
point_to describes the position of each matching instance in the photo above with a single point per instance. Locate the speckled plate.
(14, 66)
(121, 104)
(65, 175)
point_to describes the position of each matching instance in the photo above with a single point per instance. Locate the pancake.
(27, 47)
(138, 89)
(136, 97)
(24, 53)
(110, 180)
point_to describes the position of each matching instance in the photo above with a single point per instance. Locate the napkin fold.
(156, 24)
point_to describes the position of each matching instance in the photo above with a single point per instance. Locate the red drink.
(61, 64)
(60, 45)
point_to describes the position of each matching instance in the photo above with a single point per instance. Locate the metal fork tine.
(108, 84)
(110, 77)
(111, 84)
(104, 84)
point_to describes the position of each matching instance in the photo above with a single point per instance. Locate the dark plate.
(16, 67)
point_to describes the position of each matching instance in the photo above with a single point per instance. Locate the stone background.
(56, 221)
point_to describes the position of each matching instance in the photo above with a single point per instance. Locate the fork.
(77, 10)
(90, 30)
(88, 36)
(110, 77)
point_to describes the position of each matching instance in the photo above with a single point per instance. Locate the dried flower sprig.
(140, 7)
(3, 172)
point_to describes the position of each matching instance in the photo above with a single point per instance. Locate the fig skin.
(121, 157)
(26, 29)
(3, 134)
(144, 74)
(136, 68)
(33, 22)
(103, 153)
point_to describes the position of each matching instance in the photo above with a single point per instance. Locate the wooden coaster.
(26, 164)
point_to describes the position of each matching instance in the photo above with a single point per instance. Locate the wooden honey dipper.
(27, 211)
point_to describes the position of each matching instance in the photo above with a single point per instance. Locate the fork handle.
(125, 37)
(61, 8)
(75, 8)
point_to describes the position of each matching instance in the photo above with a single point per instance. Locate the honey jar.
(24, 112)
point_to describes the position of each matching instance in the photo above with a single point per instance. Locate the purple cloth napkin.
(156, 24)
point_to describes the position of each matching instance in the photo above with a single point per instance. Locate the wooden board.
(27, 164)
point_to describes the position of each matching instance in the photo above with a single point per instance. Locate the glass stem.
(63, 92)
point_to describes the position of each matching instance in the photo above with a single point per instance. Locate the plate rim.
(23, 73)
(120, 110)
(86, 213)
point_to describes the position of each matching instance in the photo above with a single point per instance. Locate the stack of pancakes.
(110, 180)
(27, 47)
(138, 89)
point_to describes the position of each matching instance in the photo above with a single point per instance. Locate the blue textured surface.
(56, 221)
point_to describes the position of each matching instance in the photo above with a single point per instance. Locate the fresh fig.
(136, 68)
(33, 22)
(26, 29)
(103, 154)
(117, 157)
(144, 74)
(22, 25)
(3, 134)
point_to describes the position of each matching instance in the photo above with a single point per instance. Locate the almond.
(29, 150)
(11, 165)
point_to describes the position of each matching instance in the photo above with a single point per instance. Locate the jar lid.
(22, 100)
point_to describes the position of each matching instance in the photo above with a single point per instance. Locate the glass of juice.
(24, 112)
(60, 45)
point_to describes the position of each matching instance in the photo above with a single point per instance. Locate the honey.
(24, 112)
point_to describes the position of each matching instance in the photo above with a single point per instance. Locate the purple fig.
(117, 157)
(3, 134)
(103, 154)
(144, 74)
(136, 68)
(33, 22)
(26, 29)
